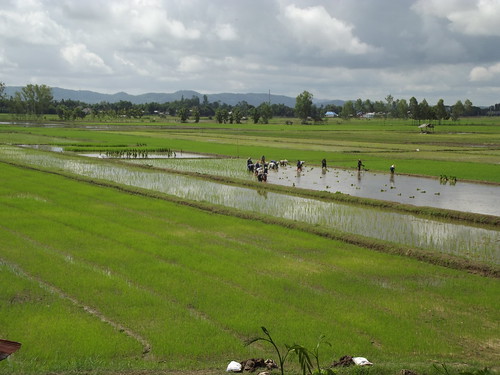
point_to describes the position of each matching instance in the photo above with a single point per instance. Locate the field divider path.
(373, 244)
(147, 347)
(88, 309)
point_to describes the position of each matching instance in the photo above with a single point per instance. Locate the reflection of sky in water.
(469, 241)
(418, 191)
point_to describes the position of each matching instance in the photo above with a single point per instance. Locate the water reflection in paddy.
(417, 191)
(469, 241)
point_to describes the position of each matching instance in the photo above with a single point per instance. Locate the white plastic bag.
(233, 366)
(361, 361)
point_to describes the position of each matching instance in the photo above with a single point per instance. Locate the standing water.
(458, 239)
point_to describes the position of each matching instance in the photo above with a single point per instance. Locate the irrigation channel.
(468, 241)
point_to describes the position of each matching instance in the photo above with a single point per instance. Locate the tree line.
(34, 101)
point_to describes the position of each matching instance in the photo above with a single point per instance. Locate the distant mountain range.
(92, 97)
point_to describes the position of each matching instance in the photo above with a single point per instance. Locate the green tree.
(348, 110)
(36, 98)
(379, 107)
(402, 108)
(457, 110)
(266, 113)
(358, 106)
(196, 114)
(218, 116)
(255, 115)
(221, 115)
(440, 111)
(183, 114)
(3, 101)
(424, 110)
(17, 105)
(468, 108)
(413, 109)
(237, 115)
(391, 105)
(367, 106)
(303, 106)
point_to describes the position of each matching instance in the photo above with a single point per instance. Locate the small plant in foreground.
(315, 353)
(281, 357)
(303, 354)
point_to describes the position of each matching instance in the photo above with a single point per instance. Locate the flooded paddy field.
(418, 191)
(466, 241)
(104, 155)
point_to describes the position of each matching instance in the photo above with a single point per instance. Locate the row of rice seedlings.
(135, 153)
(349, 217)
(286, 292)
(51, 329)
(369, 222)
(149, 316)
(97, 223)
(233, 168)
(352, 219)
(230, 303)
(75, 237)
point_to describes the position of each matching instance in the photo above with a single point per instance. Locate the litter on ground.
(347, 360)
(251, 365)
(7, 348)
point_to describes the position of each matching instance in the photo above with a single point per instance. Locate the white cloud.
(81, 59)
(226, 32)
(482, 73)
(313, 26)
(129, 64)
(471, 17)
(5, 62)
(30, 26)
(341, 49)
(192, 64)
(149, 19)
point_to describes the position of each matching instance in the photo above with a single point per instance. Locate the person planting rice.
(360, 164)
(300, 164)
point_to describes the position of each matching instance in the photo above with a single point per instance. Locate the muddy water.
(463, 240)
(418, 191)
(101, 155)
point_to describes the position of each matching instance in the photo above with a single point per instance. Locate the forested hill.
(92, 97)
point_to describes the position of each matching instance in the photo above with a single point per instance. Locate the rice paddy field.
(100, 276)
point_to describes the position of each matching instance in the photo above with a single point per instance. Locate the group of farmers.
(261, 167)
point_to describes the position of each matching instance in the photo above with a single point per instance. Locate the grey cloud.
(341, 49)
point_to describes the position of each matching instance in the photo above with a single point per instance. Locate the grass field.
(468, 151)
(102, 280)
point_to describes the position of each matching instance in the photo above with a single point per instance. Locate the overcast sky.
(335, 49)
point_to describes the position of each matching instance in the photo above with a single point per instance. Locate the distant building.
(331, 114)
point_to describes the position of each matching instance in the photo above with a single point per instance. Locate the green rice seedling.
(315, 353)
(302, 353)
(368, 222)
(192, 277)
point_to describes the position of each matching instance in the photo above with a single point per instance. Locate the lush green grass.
(193, 285)
(468, 149)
